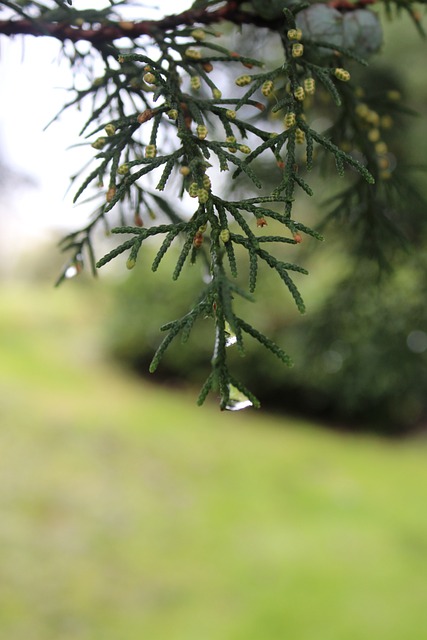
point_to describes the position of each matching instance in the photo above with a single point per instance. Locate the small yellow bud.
(172, 114)
(196, 83)
(299, 94)
(185, 171)
(193, 54)
(267, 88)
(207, 182)
(294, 34)
(242, 81)
(310, 85)
(231, 141)
(150, 151)
(244, 148)
(149, 78)
(216, 94)
(231, 114)
(193, 189)
(110, 129)
(123, 169)
(299, 136)
(297, 50)
(202, 131)
(99, 143)
(130, 263)
(342, 74)
(224, 234)
(198, 34)
(202, 195)
(289, 120)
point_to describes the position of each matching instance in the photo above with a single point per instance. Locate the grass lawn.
(127, 512)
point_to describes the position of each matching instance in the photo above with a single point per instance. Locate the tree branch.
(104, 33)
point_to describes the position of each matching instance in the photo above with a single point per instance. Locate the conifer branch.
(161, 127)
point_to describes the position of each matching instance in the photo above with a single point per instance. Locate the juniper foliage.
(166, 122)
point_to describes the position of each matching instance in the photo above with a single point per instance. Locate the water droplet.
(74, 268)
(230, 336)
(237, 400)
(71, 271)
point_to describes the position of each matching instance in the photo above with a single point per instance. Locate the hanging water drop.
(230, 336)
(71, 271)
(237, 400)
(74, 268)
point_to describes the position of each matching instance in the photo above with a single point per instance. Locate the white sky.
(32, 91)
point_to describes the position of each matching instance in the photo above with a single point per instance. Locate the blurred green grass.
(128, 512)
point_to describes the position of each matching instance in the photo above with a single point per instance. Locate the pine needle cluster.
(165, 124)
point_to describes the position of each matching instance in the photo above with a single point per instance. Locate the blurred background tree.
(360, 355)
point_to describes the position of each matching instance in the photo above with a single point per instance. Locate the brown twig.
(104, 33)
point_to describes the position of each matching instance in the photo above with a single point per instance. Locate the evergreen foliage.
(165, 122)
